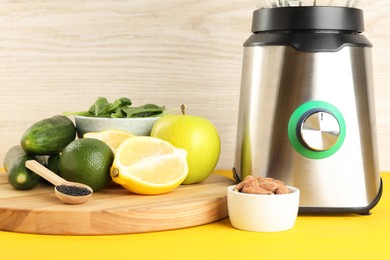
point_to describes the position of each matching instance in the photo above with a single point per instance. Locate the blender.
(306, 109)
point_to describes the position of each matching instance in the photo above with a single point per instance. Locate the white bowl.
(136, 126)
(263, 213)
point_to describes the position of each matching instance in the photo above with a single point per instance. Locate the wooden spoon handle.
(44, 172)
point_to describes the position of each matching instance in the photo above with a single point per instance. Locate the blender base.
(345, 210)
(335, 210)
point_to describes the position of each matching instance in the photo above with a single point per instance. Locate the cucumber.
(53, 163)
(18, 175)
(10, 157)
(48, 136)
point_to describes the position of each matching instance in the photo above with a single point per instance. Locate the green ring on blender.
(294, 123)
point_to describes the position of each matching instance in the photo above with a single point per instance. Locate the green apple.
(195, 134)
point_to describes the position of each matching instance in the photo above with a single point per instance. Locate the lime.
(87, 161)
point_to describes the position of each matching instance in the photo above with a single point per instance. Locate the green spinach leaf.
(120, 108)
(100, 108)
(147, 110)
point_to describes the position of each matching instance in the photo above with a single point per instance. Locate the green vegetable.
(48, 136)
(11, 157)
(18, 175)
(53, 163)
(121, 108)
(147, 110)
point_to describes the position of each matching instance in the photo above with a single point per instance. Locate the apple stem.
(183, 109)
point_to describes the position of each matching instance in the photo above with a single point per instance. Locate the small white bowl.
(263, 213)
(136, 126)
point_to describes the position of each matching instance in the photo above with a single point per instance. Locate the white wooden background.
(60, 55)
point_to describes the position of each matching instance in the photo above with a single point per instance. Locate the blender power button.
(316, 129)
(320, 131)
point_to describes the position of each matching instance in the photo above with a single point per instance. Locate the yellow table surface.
(349, 236)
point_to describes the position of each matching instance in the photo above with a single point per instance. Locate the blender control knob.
(320, 131)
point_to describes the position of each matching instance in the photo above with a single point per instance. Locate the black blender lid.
(308, 18)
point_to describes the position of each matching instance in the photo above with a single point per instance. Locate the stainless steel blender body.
(306, 117)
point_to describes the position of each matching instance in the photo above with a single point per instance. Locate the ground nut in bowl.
(136, 126)
(263, 212)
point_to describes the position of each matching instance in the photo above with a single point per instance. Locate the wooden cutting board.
(112, 210)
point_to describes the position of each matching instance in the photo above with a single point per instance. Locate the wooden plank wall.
(60, 55)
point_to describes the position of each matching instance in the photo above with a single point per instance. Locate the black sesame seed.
(73, 190)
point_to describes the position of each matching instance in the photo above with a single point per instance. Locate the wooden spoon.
(66, 191)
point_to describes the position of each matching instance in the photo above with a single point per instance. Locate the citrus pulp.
(147, 165)
(111, 137)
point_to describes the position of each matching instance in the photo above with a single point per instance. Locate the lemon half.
(113, 138)
(149, 165)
